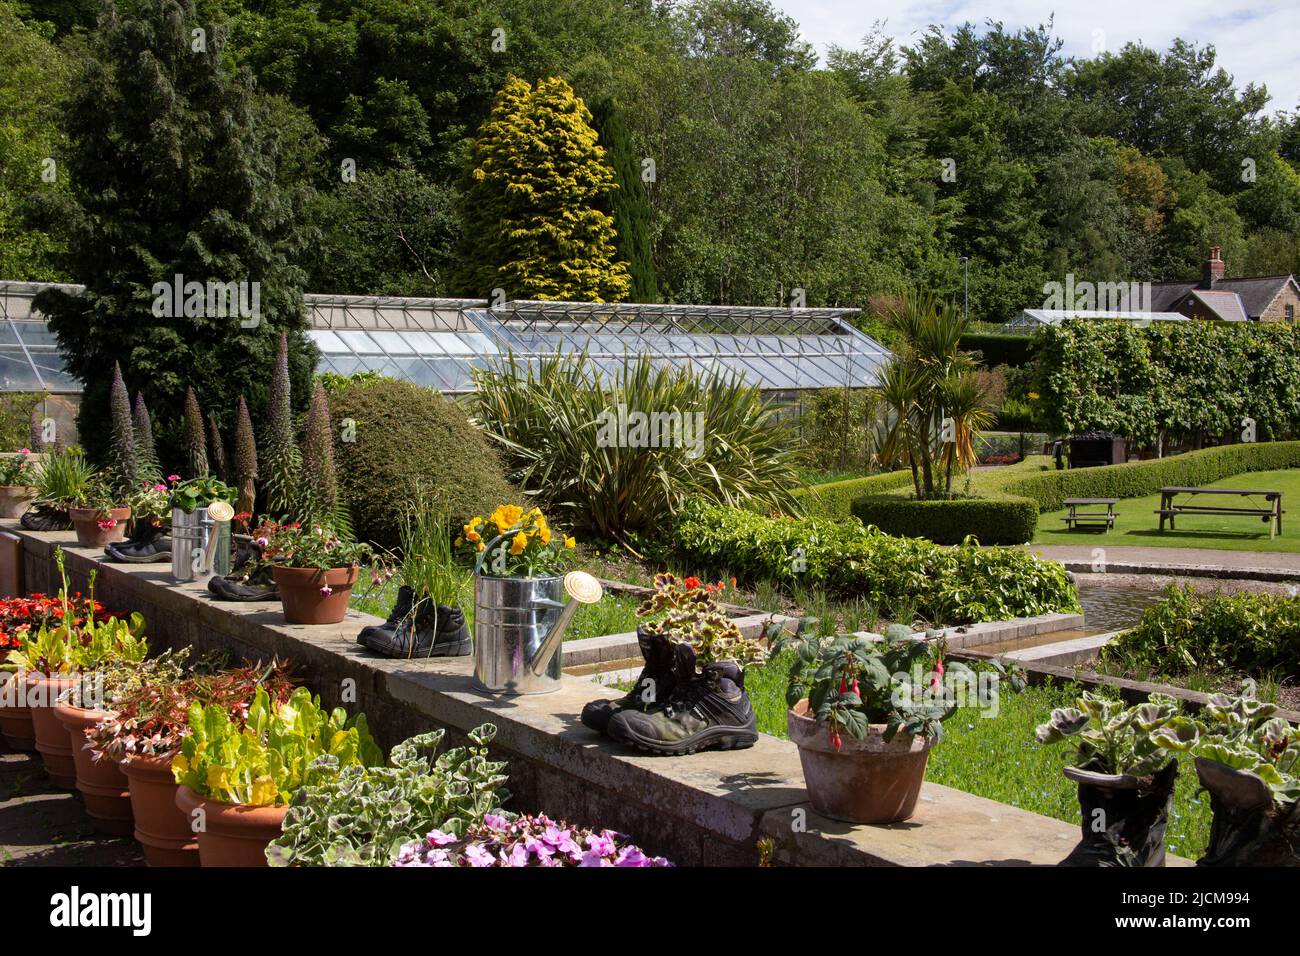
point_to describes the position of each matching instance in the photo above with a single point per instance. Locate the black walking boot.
(250, 581)
(147, 543)
(653, 686)
(45, 518)
(422, 629)
(708, 711)
(1124, 817)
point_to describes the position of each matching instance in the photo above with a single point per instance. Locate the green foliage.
(266, 758)
(534, 224)
(361, 816)
(196, 445)
(1137, 478)
(964, 584)
(320, 491)
(281, 461)
(1187, 631)
(123, 461)
(628, 203)
(18, 426)
(1114, 739)
(245, 460)
(852, 682)
(408, 436)
(572, 438)
(996, 519)
(218, 446)
(428, 565)
(837, 427)
(835, 499)
(1244, 733)
(64, 477)
(199, 493)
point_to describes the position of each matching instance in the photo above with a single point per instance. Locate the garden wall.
(705, 809)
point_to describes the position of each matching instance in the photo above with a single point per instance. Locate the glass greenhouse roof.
(438, 342)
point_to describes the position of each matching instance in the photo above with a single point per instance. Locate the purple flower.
(518, 855)
(602, 843)
(495, 821)
(631, 856)
(262, 542)
(475, 855)
(326, 590)
(438, 838)
(594, 858)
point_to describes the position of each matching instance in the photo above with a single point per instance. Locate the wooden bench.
(1271, 513)
(1076, 518)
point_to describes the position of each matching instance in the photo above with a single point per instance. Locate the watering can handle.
(583, 589)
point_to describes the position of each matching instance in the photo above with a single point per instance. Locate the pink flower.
(262, 542)
(173, 477)
(438, 838)
(494, 821)
(326, 590)
(475, 855)
(24, 451)
(160, 487)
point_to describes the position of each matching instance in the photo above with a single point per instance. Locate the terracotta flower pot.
(102, 784)
(51, 736)
(14, 500)
(865, 781)
(301, 597)
(15, 715)
(85, 521)
(233, 834)
(161, 827)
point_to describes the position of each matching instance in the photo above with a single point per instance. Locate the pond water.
(1108, 607)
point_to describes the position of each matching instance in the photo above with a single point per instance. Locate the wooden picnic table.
(1075, 518)
(1270, 513)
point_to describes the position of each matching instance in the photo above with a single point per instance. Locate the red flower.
(691, 583)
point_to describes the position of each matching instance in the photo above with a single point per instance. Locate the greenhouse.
(438, 342)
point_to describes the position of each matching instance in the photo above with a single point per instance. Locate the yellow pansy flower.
(569, 542)
(544, 533)
(506, 517)
(518, 544)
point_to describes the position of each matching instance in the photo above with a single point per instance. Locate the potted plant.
(102, 784)
(200, 538)
(143, 733)
(240, 775)
(100, 514)
(1248, 760)
(314, 570)
(61, 483)
(149, 540)
(49, 663)
(362, 816)
(17, 483)
(1125, 774)
(865, 714)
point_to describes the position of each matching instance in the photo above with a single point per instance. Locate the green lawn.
(1138, 524)
(999, 758)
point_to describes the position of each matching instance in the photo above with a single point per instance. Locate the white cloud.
(1255, 41)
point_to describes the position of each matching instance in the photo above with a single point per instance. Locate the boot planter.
(148, 543)
(51, 736)
(93, 528)
(302, 597)
(1124, 817)
(655, 683)
(15, 715)
(233, 834)
(418, 629)
(1248, 828)
(864, 781)
(161, 826)
(14, 500)
(102, 784)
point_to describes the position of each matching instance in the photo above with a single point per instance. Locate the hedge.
(996, 519)
(1139, 478)
(899, 576)
(835, 498)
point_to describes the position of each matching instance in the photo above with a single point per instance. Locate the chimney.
(1212, 271)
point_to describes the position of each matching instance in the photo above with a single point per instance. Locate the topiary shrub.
(834, 499)
(998, 519)
(402, 434)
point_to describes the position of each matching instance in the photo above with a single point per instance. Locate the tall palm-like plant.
(967, 409)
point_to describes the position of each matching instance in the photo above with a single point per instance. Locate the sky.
(1256, 42)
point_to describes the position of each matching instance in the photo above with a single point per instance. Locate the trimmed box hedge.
(996, 519)
(1139, 478)
(834, 499)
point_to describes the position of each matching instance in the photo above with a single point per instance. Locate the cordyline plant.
(281, 460)
(502, 839)
(854, 682)
(196, 446)
(1113, 739)
(687, 612)
(362, 816)
(245, 460)
(319, 489)
(123, 463)
(147, 467)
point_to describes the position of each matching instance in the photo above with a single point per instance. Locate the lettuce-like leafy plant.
(265, 759)
(1115, 739)
(362, 816)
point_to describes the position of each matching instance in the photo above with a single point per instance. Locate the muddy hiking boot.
(654, 685)
(249, 581)
(147, 543)
(423, 630)
(1248, 829)
(45, 518)
(1124, 817)
(705, 711)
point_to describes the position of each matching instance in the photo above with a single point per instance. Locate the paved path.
(1180, 558)
(41, 825)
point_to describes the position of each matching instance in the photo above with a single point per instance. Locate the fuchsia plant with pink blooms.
(500, 840)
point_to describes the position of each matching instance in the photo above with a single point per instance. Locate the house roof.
(1228, 306)
(1257, 292)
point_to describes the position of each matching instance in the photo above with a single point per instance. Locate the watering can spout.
(583, 589)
